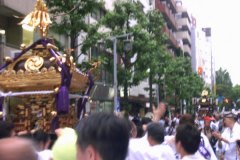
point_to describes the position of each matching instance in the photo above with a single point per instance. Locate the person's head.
(207, 121)
(132, 129)
(145, 121)
(102, 136)
(42, 139)
(229, 119)
(17, 149)
(155, 133)
(163, 108)
(6, 129)
(186, 118)
(217, 116)
(187, 139)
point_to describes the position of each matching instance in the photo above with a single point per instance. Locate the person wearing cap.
(227, 140)
(208, 129)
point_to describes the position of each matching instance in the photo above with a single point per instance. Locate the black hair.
(186, 118)
(146, 120)
(106, 133)
(40, 136)
(189, 136)
(6, 129)
(156, 132)
(53, 138)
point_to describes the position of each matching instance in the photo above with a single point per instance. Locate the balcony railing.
(184, 35)
(187, 50)
(173, 5)
(162, 6)
(171, 36)
(184, 23)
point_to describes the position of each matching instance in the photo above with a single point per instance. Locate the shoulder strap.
(203, 150)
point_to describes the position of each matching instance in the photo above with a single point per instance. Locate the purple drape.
(62, 98)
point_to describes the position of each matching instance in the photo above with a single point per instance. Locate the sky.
(224, 19)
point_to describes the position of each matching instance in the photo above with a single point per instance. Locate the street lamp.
(127, 47)
(115, 82)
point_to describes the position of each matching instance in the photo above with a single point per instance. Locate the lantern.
(200, 70)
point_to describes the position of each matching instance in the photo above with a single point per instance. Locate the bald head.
(17, 149)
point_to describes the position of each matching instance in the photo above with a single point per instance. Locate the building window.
(97, 14)
(94, 52)
(178, 15)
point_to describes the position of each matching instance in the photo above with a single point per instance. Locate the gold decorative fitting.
(59, 69)
(56, 90)
(54, 113)
(23, 46)
(52, 59)
(204, 93)
(8, 59)
(49, 45)
(34, 63)
(38, 18)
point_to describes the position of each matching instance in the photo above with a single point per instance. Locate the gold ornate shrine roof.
(37, 70)
(40, 66)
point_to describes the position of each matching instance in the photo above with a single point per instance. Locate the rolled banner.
(62, 100)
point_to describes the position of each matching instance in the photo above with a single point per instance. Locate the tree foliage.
(148, 52)
(148, 43)
(236, 93)
(223, 83)
(69, 18)
(181, 81)
(128, 17)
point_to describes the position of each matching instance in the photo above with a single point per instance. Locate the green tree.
(70, 19)
(236, 95)
(157, 50)
(182, 83)
(235, 92)
(223, 83)
(121, 21)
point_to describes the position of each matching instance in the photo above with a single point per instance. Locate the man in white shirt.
(187, 141)
(137, 148)
(158, 150)
(205, 150)
(227, 140)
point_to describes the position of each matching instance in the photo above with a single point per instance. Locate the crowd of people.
(109, 136)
